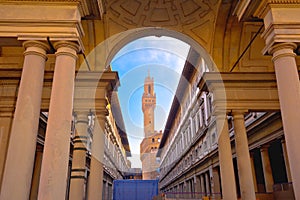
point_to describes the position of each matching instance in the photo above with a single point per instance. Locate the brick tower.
(150, 144)
(148, 106)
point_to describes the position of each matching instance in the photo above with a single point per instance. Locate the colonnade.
(22, 143)
(19, 165)
(207, 182)
(286, 69)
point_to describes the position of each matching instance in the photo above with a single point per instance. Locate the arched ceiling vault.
(194, 18)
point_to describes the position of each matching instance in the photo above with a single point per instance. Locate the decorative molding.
(282, 50)
(241, 8)
(24, 21)
(195, 18)
(89, 91)
(281, 20)
(265, 6)
(281, 33)
(244, 90)
(253, 59)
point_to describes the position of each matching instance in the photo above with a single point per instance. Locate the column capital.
(238, 113)
(282, 50)
(264, 147)
(66, 48)
(83, 113)
(34, 47)
(281, 21)
(81, 117)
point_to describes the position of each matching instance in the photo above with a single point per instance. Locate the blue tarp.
(135, 189)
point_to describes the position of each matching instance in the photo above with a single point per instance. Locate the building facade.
(151, 141)
(190, 162)
(254, 44)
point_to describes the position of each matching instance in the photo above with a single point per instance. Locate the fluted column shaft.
(225, 159)
(243, 157)
(54, 171)
(289, 97)
(22, 143)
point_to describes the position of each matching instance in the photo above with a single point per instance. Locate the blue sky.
(164, 57)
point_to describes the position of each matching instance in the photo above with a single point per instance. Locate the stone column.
(22, 142)
(269, 182)
(207, 181)
(286, 161)
(184, 187)
(225, 159)
(197, 184)
(202, 185)
(5, 128)
(95, 182)
(53, 181)
(289, 97)
(253, 171)
(36, 173)
(78, 173)
(243, 157)
(216, 189)
(106, 190)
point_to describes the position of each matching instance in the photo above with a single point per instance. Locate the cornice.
(39, 21)
(93, 8)
(281, 20)
(253, 91)
(89, 92)
(266, 5)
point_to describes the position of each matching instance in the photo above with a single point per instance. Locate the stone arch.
(194, 18)
(118, 41)
(105, 52)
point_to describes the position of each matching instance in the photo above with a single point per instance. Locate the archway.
(103, 54)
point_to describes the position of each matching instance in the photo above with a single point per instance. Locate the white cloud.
(165, 57)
